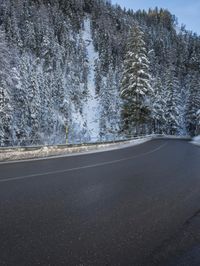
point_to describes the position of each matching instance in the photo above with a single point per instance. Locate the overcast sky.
(187, 11)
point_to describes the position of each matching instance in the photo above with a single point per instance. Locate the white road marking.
(82, 167)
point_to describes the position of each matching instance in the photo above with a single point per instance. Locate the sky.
(187, 11)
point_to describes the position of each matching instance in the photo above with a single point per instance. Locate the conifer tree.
(6, 87)
(198, 123)
(158, 103)
(135, 85)
(173, 104)
(193, 106)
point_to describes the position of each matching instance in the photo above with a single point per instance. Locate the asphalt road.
(119, 207)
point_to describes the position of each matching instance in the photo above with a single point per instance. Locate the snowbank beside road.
(196, 140)
(15, 154)
(25, 153)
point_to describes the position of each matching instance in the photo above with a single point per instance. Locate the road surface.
(119, 207)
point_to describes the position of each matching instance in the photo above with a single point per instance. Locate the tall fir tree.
(198, 123)
(193, 105)
(173, 104)
(6, 93)
(135, 85)
(158, 103)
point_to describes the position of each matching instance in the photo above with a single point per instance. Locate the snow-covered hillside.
(86, 122)
(92, 106)
(61, 68)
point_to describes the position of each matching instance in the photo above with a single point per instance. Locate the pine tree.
(173, 104)
(193, 105)
(135, 85)
(158, 104)
(6, 90)
(198, 123)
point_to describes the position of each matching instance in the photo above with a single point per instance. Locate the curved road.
(115, 207)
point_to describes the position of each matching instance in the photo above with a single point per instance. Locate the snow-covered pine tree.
(193, 105)
(135, 85)
(110, 106)
(198, 123)
(6, 89)
(173, 104)
(158, 107)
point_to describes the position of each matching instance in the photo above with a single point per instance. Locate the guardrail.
(75, 142)
(79, 142)
(32, 152)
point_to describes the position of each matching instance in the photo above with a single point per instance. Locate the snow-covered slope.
(61, 66)
(86, 121)
(91, 107)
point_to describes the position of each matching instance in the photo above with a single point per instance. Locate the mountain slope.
(64, 63)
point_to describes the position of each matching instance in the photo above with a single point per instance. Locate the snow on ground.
(77, 127)
(85, 122)
(174, 137)
(91, 108)
(13, 154)
(196, 140)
